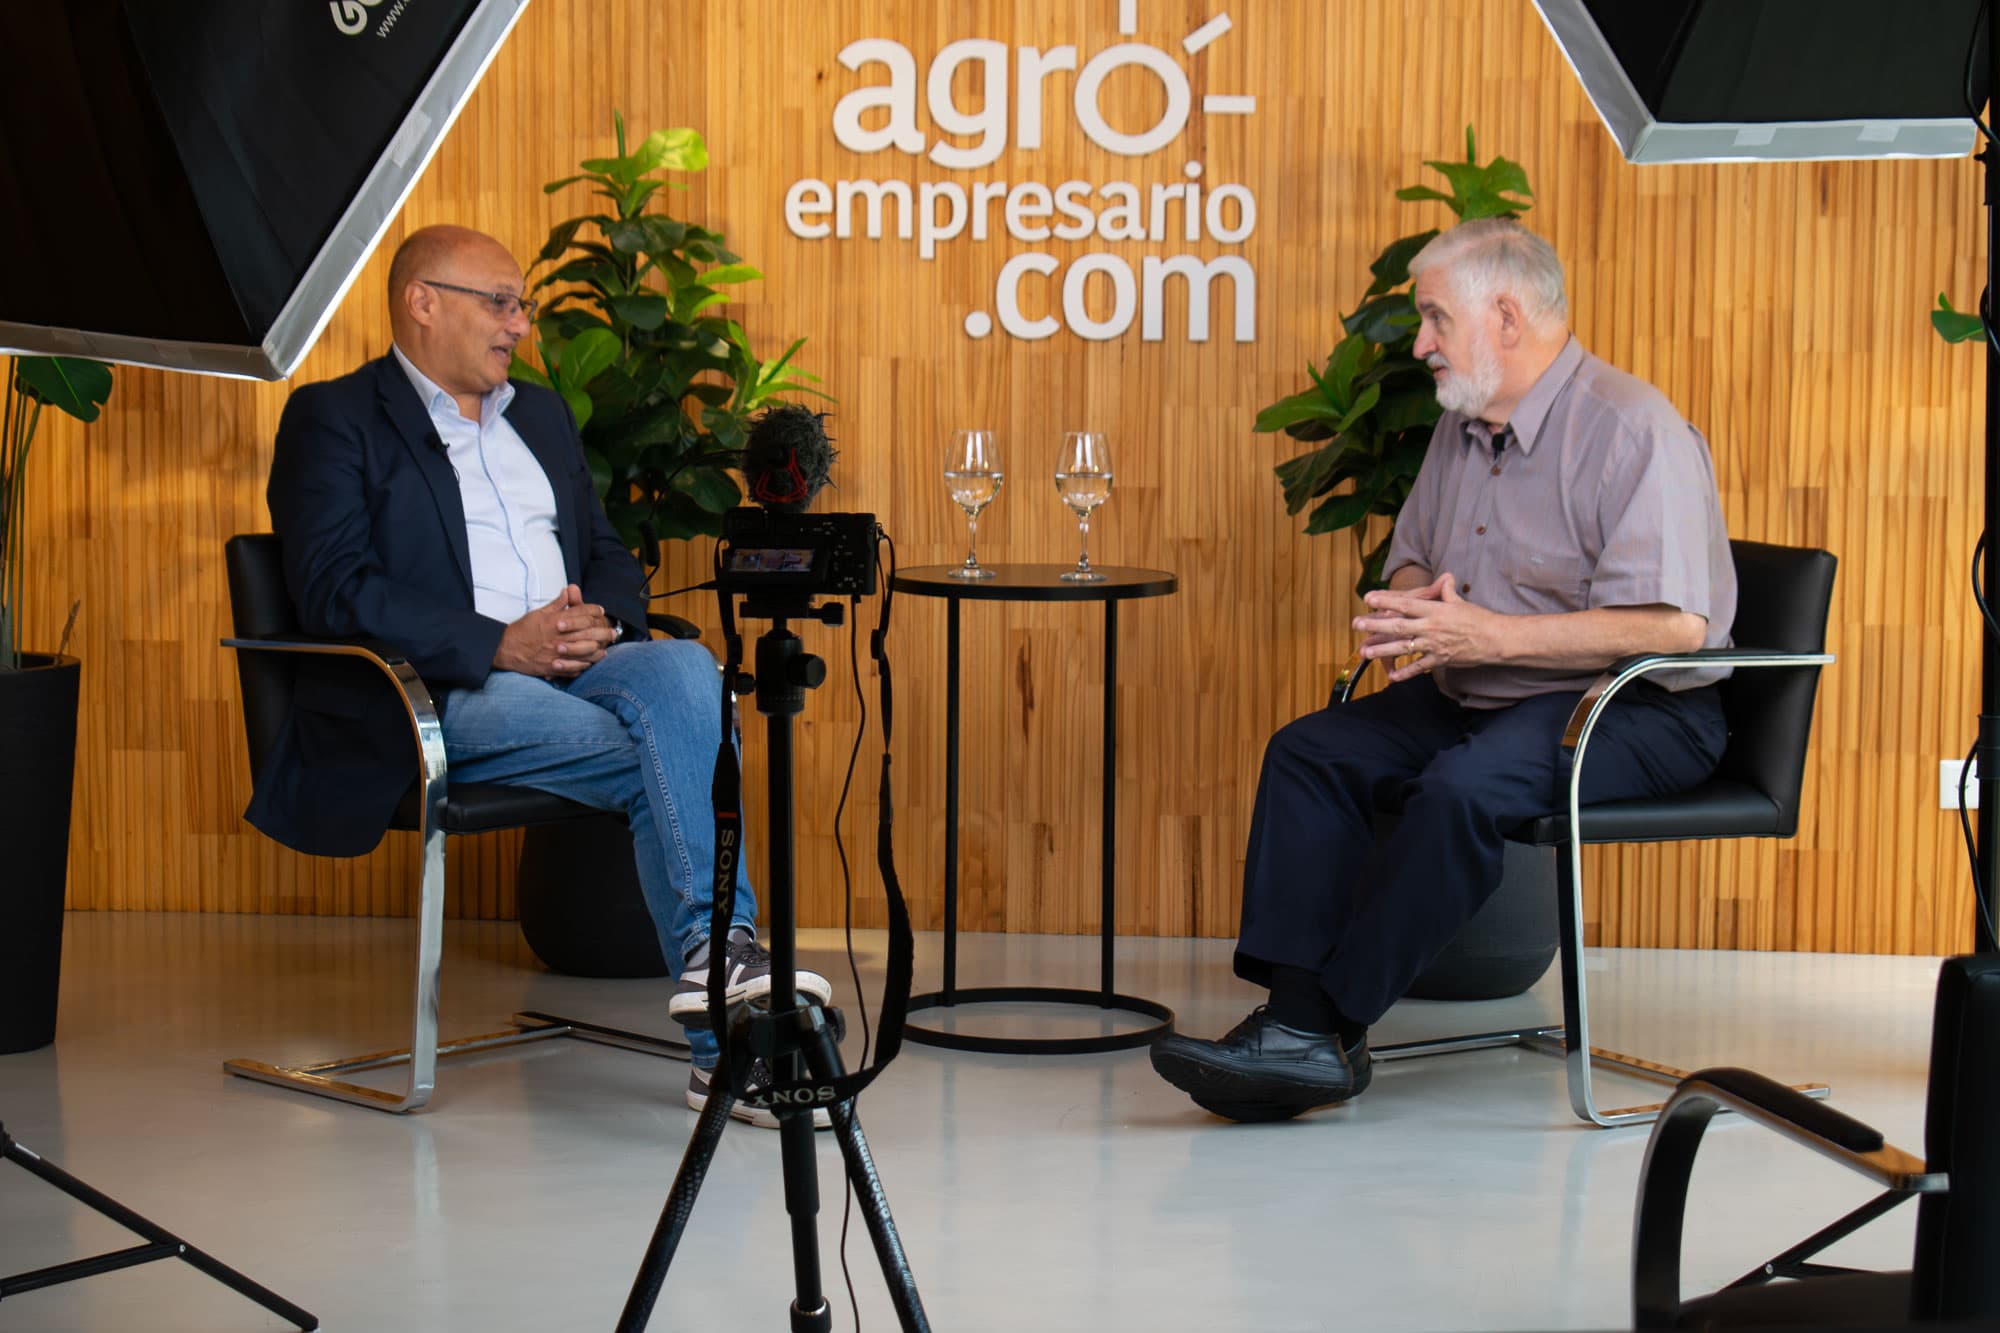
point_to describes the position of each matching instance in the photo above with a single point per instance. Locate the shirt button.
(1496, 469)
(1480, 530)
(1464, 588)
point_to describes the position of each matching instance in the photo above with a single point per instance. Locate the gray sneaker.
(747, 974)
(742, 1110)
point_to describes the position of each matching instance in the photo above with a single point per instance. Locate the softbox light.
(1775, 80)
(194, 185)
(1800, 80)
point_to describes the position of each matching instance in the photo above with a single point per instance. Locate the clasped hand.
(564, 638)
(1433, 623)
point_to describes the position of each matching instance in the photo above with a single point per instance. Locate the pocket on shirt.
(1548, 579)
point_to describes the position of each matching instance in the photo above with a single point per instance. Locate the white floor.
(1031, 1192)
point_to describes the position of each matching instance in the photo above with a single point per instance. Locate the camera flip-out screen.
(816, 554)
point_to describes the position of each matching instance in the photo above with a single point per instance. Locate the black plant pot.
(1509, 942)
(38, 718)
(579, 901)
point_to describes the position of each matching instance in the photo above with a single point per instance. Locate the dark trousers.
(1320, 893)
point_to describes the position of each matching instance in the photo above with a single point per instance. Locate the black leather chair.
(1783, 596)
(269, 647)
(1956, 1274)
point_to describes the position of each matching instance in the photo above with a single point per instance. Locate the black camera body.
(804, 555)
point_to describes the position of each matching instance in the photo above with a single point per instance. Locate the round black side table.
(1034, 583)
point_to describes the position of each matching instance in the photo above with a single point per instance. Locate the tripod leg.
(824, 1059)
(679, 1206)
(896, 1273)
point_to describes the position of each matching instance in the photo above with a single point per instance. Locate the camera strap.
(726, 793)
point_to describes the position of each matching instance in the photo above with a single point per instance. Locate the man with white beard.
(1565, 516)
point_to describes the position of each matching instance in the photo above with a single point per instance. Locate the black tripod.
(797, 1042)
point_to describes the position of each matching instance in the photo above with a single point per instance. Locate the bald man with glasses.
(428, 501)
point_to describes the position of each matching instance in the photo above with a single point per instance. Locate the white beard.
(1468, 389)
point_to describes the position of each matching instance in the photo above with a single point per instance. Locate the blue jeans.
(636, 733)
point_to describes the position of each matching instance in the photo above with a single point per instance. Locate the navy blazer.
(368, 513)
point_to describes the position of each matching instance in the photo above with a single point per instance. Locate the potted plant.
(38, 698)
(1371, 409)
(662, 385)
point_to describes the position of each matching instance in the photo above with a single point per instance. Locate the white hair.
(1489, 257)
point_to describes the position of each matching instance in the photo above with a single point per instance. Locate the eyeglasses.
(501, 304)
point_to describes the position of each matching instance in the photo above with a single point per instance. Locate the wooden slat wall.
(1782, 307)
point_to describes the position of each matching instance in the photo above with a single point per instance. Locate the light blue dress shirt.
(510, 509)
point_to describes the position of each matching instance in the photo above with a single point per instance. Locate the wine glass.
(1083, 479)
(972, 474)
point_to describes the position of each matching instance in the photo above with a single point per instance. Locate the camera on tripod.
(776, 557)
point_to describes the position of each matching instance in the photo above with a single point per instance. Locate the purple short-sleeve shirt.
(1602, 496)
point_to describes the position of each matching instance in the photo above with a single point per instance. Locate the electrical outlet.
(1948, 770)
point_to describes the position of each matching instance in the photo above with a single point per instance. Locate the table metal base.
(965, 1041)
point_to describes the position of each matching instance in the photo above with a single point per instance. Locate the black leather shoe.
(1263, 1070)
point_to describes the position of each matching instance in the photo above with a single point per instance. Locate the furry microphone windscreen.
(787, 457)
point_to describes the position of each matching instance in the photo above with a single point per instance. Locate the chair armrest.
(384, 655)
(1628, 669)
(390, 661)
(1349, 676)
(1659, 1219)
(672, 626)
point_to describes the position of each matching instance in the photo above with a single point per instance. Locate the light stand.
(160, 1243)
(1988, 887)
(794, 1041)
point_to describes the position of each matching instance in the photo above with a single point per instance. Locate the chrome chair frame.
(1579, 1056)
(420, 1057)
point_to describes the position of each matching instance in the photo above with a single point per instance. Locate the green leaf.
(519, 369)
(71, 385)
(1342, 367)
(600, 471)
(1341, 511)
(1414, 193)
(716, 277)
(647, 310)
(579, 404)
(670, 150)
(711, 488)
(1465, 178)
(599, 273)
(1387, 319)
(1392, 267)
(588, 355)
(568, 181)
(1955, 326)
(1407, 410)
(1310, 474)
(616, 169)
(560, 236)
(1362, 406)
(709, 299)
(1372, 563)
(635, 198)
(1306, 405)
(1505, 177)
(1403, 464)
